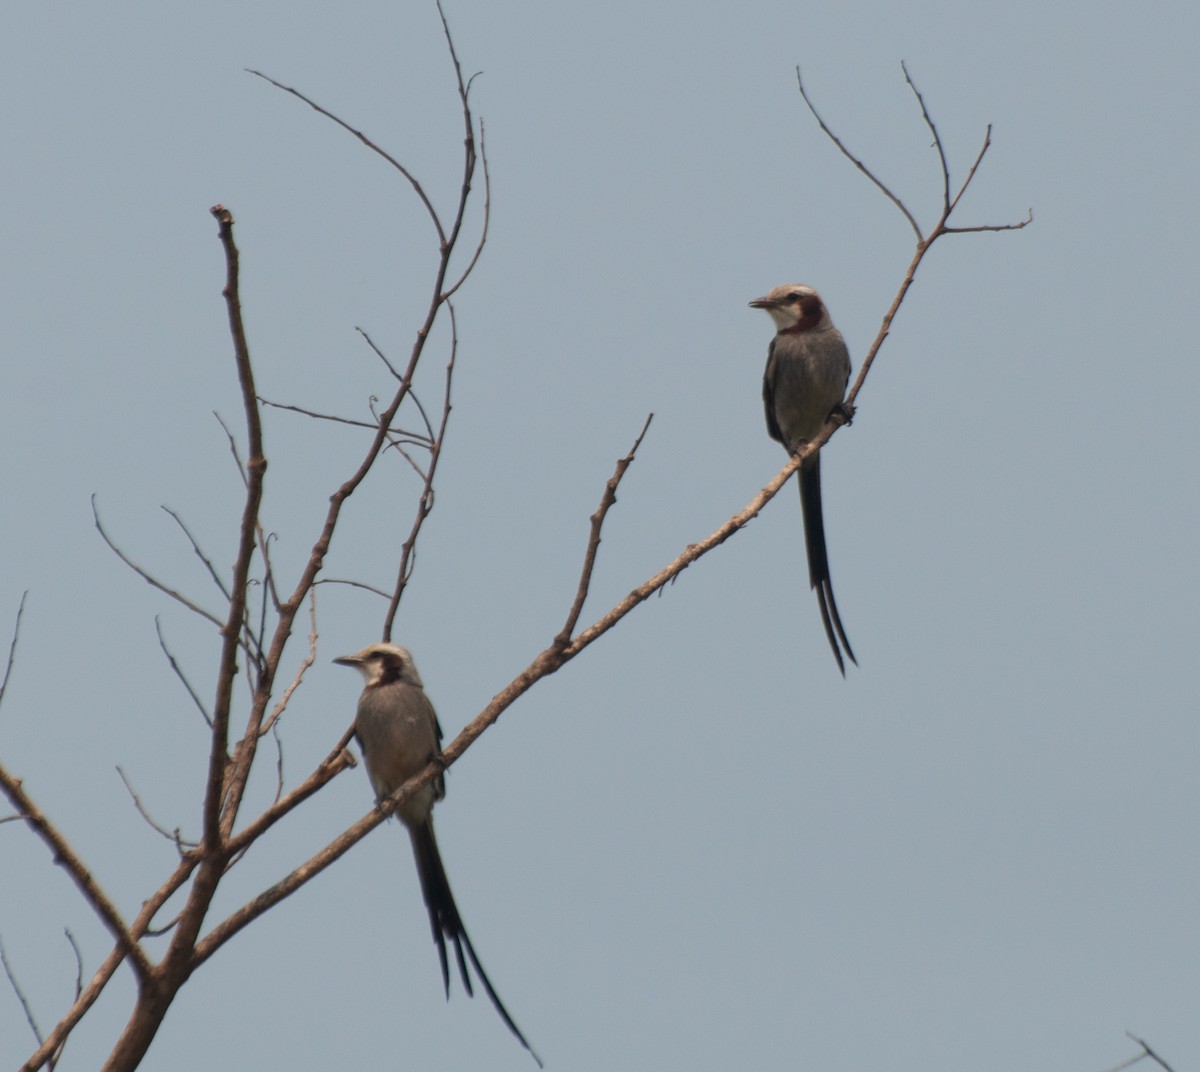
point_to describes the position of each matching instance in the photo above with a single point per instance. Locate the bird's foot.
(844, 412)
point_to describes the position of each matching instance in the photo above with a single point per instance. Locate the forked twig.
(426, 499)
(1146, 1052)
(924, 241)
(148, 577)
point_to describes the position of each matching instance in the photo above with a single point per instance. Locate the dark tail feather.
(447, 923)
(818, 560)
(435, 888)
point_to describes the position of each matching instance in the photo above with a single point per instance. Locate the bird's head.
(795, 307)
(383, 664)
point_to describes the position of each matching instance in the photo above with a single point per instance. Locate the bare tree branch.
(209, 567)
(178, 671)
(308, 660)
(65, 856)
(924, 242)
(426, 500)
(233, 448)
(354, 584)
(30, 1019)
(1148, 1052)
(88, 997)
(151, 580)
(487, 195)
(172, 836)
(597, 519)
(855, 160)
(260, 630)
(12, 646)
(412, 180)
(390, 367)
(256, 467)
(316, 415)
(937, 140)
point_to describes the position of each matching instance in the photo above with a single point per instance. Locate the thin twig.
(987, 143)
(427, 498)
(149, 578)
(855, 160)
(487, 210)
(425, 440)
(597, 523)
(172, 836)
(294, 684)
(412, 180)
(212, 570)
(924, 242)
(1149, 1052)
(58, 1051)
(380, 354)
(400, 435)
(316, 415)
(992, 226)
(78, 961)
(354, 584)
(937, 139)
(469, 160)
(30, 1019)
(279, 780)
(400, 447)
(233, 447)
(178, 671)
(12, 645)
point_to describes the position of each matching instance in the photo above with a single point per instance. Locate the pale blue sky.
(697, 847)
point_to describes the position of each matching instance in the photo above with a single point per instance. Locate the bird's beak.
(348, 660)
(763, 303)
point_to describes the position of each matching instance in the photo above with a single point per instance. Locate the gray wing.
(768, 390)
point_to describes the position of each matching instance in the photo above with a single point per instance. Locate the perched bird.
(808, 367)
(399, 734)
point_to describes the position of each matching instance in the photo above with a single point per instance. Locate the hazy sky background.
(696, 847)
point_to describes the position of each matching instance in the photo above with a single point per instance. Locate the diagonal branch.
(937, 140)
(425, 501)
(1148, 1052)
(209, 567)
(149, 578)
(12, 647)
(30, 1019)
(91, 993)
(374, 147)
(176, 838)
(854, 159)
(597, 519)
(66, 857)
(178, 671)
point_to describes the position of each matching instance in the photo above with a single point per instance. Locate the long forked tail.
(818, 559)
(446, 923)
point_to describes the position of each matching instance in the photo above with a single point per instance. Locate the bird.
(808, 367)
(399, 735)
